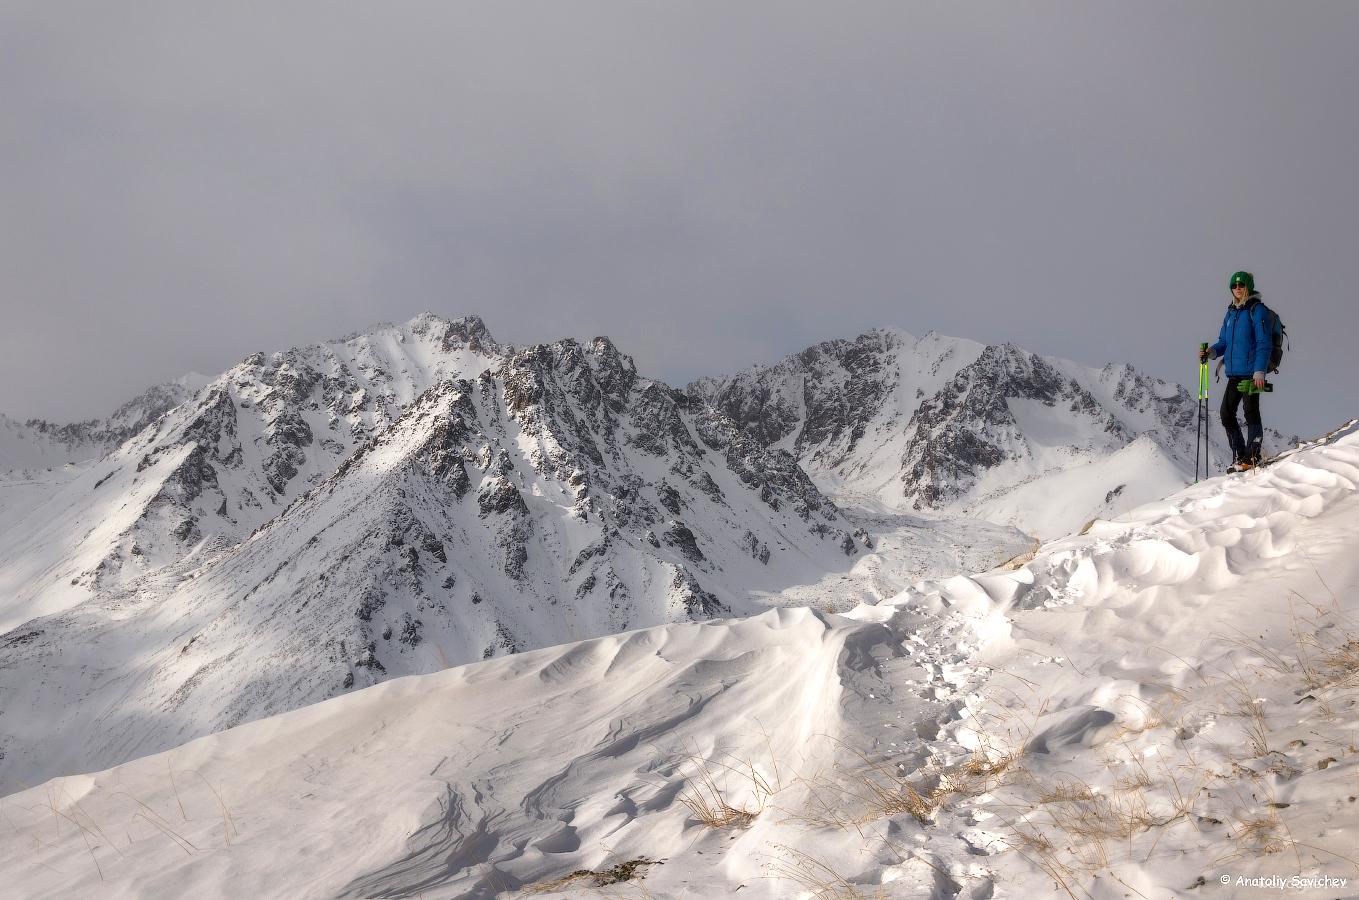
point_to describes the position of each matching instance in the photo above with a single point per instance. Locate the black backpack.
(1278, 334)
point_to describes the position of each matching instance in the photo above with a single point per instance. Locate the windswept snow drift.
(1151, 707)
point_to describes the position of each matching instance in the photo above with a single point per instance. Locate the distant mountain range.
(36, 443)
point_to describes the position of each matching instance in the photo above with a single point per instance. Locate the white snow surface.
(1160, 706)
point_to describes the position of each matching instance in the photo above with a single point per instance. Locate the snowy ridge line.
(38, 444)
(1157, 542)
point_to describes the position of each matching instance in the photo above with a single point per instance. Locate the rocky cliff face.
(554, 496)
(971, 424)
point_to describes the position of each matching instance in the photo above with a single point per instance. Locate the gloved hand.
(1205, 354)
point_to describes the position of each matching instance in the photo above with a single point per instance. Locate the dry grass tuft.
(823, 882)
(1068, 791)
(625, 871)
(1341, 664)
(1261, 834)
(877, 789)
(1252, 709)
(709, 793)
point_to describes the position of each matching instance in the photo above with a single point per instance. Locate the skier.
(1244, 345)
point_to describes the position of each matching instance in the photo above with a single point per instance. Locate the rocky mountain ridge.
(37, 443)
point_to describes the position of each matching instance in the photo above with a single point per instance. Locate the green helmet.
(1245, 278)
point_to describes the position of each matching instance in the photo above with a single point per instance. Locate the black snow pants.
(1248, 449)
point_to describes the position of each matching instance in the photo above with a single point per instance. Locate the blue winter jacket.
(1245, 339)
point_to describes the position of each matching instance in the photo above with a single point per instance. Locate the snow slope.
(1157, 707)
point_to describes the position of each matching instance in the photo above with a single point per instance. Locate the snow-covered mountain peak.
(215, 466)
(943, 424)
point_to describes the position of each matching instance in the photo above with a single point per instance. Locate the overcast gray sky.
(710, 184)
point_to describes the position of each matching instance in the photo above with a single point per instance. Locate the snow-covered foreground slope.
(897, 422)
(1158, 707)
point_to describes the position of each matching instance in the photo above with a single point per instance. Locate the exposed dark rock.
(597, 549)
(499, 496)
(660, 427)
(282, 466)
(697, 602)
(191, 477)
(682, 539)
(186, 532)
(669, 498)
(372, 600)
(368, 659)
(586, 586)
(434, 547)
(514, 542)
(755, 547)
(469, 332)
(410, 631)
(704, 482)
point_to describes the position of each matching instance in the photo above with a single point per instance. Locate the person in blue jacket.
(1243, 345)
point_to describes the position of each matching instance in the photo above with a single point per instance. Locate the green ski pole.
(1201, 441)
